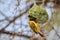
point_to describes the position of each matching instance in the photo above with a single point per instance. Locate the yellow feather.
(33, 26)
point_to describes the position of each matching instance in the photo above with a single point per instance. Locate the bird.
(33, 22)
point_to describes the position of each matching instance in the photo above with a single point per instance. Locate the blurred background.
(14, 21)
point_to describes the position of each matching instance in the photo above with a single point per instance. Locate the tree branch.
(13, 33)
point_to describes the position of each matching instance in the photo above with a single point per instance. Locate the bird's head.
(31, 18)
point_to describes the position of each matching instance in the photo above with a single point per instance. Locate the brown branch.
(13, 33)
(18, 34)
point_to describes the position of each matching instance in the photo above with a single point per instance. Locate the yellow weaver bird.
(34, 25)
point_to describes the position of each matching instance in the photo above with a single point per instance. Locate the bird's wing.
(34, 26)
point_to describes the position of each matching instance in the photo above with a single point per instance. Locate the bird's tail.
(41, 34)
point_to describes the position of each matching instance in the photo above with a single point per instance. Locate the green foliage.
(38, 12)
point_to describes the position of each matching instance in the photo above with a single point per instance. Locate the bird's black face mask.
(32, 18)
